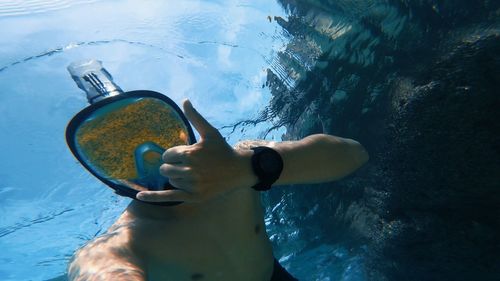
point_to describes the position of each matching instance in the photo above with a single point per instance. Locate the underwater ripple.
(22, 7)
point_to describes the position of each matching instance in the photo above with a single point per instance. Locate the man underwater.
(218, 233)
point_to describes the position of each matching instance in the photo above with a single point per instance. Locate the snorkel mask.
(121, 136)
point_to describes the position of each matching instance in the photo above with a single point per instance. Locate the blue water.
(216, 53)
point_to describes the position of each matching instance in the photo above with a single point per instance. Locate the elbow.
(355, 150)
(357, 153)
(354, 154)
(361, 155)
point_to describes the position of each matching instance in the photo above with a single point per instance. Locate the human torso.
(220, 240)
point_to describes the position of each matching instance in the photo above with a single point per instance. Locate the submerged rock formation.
(417, 83)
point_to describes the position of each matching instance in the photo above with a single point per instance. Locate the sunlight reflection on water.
(215, 53)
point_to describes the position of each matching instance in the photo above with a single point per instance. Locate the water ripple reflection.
(4, 231)
(71, 46)
(21, 7)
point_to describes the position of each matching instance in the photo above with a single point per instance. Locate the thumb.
(205, 129)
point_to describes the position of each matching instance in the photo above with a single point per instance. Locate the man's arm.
(313, 159)
(211, 168)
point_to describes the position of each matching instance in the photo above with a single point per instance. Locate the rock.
(417, 84)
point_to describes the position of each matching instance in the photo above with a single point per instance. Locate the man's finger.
(175, 155)
(174, 171)
(163, 195)
(205, 129)
(185, 185)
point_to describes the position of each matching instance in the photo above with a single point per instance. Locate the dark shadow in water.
(416, 82)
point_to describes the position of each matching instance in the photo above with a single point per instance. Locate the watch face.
(269, 162)
(267, 165)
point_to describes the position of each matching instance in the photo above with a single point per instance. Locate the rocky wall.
(416, 82)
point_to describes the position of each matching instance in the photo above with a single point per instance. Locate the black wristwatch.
(267, 165)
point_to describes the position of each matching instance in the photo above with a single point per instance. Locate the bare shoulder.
(247, 144)
(106, 257)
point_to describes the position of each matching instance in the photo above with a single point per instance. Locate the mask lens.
(123, 141)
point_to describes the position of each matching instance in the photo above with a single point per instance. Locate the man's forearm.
(319, 158)
(316, 158)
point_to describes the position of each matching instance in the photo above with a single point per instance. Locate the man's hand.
(204, 170)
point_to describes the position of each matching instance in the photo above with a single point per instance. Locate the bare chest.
(226, 242)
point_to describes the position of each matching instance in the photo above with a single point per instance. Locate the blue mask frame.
(87, 114)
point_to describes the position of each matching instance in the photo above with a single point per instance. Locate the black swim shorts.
(280, 274)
